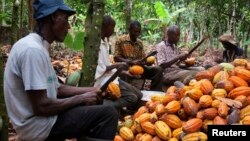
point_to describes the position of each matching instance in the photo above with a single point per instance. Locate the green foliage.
(75, 41)
(246, 43)
(162, 13)
(5, 12)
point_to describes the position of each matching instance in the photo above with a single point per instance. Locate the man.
(129, 49)
(232, 51)
(38, 107)
(168, 55)
(130, 96)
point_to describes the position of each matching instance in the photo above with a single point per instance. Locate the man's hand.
(92, 97)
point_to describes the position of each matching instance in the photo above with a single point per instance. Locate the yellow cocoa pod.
(151, 60)
(126, 134)
(162, 130)
(197, 136)
(113, 91)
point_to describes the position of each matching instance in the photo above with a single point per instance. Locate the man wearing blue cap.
(38, 106)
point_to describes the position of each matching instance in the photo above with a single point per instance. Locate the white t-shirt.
(29, 68)
(103, 62)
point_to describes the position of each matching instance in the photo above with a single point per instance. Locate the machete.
(196, 46)
(112, 78)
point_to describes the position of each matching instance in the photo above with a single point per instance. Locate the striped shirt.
(127, 49)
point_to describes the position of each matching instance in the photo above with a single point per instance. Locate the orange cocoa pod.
(246, 120)
(200, 115)
(160, 109)
(205, 101)
(243, 90)
(223, 110)
(146, 137)
(192, 125)
(148, 127)
(206, 86)
(210, 113)
(144, 117)
(172, 107)
(215, 69)
(248, 100)
(219, 121)
(215, 103)
(243, 73)
(171, 120)
(171, 89)
(190, 106)
(204, 75)
(237, 81)
(166, 99)
(118, 138)
(136, 70)
(195, 93)
(242, 99)
(140, 111)
(152, 106)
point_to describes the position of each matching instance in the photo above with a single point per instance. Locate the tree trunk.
(32, 21)
(128, 13)
(3, 23)
(93, 25)
(15, 29)
(246, 46)
(3, 113)
(21, 20)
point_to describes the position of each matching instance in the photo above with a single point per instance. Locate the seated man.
(130, 96)
(39, 107)
(168, 55)
(130, 49)
(232, 51)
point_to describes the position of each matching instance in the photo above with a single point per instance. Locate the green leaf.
(79, 40)
(175, 13)
(162, 12)
(68, 41)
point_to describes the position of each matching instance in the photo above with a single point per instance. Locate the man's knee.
(110, 110)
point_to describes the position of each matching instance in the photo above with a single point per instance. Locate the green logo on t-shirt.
(51, 79)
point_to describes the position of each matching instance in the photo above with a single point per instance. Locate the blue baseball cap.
(44, 8)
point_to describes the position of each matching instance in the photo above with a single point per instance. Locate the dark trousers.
(155, 74)
(98, 122)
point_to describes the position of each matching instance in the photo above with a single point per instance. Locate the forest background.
(195, 18)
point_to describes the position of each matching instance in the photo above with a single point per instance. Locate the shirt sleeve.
(33, 66)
